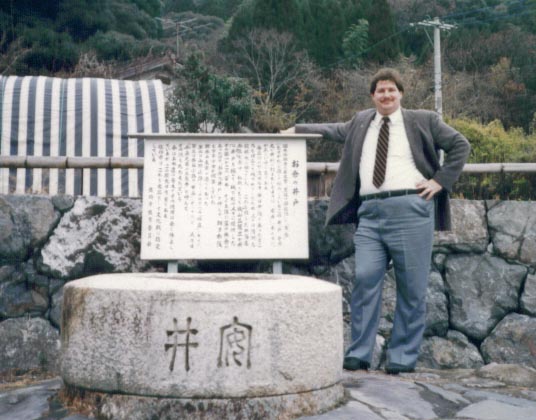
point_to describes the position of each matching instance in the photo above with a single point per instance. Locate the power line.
(518, 9)
(481, 9)
(475, 21)
(370, 48)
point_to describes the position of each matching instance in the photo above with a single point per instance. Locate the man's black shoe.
(353, 363)
(395, 369)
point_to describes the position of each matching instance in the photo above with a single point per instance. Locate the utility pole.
(437, 25)
(178, 24)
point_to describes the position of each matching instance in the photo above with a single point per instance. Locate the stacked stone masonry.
(481, 295)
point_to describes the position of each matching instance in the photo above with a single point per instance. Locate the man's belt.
(387, 194)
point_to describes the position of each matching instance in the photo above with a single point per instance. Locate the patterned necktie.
(381, 154)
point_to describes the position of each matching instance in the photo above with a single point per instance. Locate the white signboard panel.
(224, 198)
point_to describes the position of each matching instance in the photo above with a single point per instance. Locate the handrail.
(313, 168)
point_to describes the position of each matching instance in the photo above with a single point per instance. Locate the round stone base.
(279, 407)
(204, 345)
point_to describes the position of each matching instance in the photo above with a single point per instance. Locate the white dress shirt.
(401, 172)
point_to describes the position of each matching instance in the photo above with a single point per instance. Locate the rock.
(35, 279)
(453, 352)
(469, 230)
(438, 259)
(343, 274)
(512, 341)
(388, 304)
(63, 202)
(437, 318)
(437, 315)
(514, 375)
(38, 212)
(17, 296)
(379, 353)
(15, 233)
(97, 236)
(512, 226)
(55, 285)
(482, 290)
(528, 298)
(29, 344)
(327, 245)
(56, 307)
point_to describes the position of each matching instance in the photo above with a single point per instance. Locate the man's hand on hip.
(429, 188)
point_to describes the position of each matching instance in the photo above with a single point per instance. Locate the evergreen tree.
(317, 25)
(355, 42)
(83, 18)
(384, 46)
(282, 15)
(206, 101)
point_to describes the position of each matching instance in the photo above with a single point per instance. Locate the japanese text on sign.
(235, 199)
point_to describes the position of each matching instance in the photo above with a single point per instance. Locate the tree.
(47, 51)
(221, 8)
(318, 26)
(83, 18)
(208, 102)
(271, 62)
(281, 75)
(151, 7)
(384, 46)
(355, 42)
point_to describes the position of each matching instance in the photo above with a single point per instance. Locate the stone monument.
(177, 345)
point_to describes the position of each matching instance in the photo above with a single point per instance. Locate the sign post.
(221, 196)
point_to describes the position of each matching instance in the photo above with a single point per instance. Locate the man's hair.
(386, 74)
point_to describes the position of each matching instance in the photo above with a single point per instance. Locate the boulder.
(55, 308)
(388, 304)
(17, 296)
(469, 229)
(512, 226)
(437, 317)
(327, 245)
(528, 298)
(15, 233)
(96, 236)
(512, 341)
(63, 202)
(453, 352)
(514, 375)
(343, 274)
(482, 290)
(29, 344)
(38, 212)
(437, 314)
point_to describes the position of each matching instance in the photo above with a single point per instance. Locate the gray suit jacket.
(427, 134)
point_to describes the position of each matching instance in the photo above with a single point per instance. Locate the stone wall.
(481, 298)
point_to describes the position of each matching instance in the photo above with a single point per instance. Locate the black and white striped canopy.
(45, 116)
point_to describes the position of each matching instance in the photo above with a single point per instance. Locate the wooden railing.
(320, 175)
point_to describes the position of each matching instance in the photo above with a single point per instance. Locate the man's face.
(386, 97)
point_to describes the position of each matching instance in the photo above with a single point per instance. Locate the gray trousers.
(400, 228)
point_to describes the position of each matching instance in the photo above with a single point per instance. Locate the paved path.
(495, 393)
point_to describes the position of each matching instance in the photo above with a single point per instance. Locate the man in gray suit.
(390, 183)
